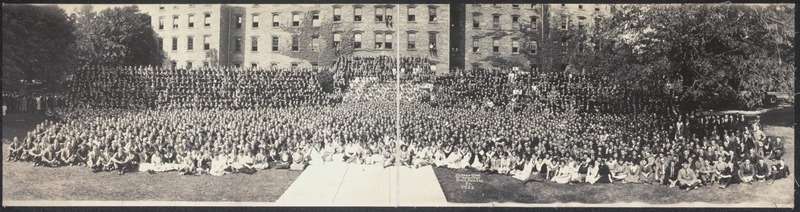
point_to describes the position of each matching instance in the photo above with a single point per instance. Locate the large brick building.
(300, 35)
(525, 36)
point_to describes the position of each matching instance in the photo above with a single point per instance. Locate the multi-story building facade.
(525, 36)
(191, 35)
(300, 35)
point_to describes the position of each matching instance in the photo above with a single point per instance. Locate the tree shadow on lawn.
(782, 117)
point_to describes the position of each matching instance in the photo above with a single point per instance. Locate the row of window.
(382, 14)
(515, 48)
(383, 40)
(189, 43)
(190, 23)
(274, 65)
(533, 46)
(533, 21)
(533, 6)
(515, 21)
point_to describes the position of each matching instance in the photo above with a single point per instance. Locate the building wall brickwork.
(315, 31)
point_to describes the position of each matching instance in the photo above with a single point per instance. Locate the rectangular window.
(432, 14)
(412, 14)
(476, 20)
(496, 45)
(388, 42)
(276, 21)
(237, 44)
(175, 22)
(515, 21)
(160, 22)
(188, 64)
(534, 22)
(476, 45)
(174, 43)
(161, 43)
(275, 43)
(315, 43)
(357, 14)
(337, 38)
(207, 20)
(191, 21)
(238, 20)
(496, 21)
(379, 38)
(295, 43)
(315, 19)
(295, 19)
(255, 21)
(254, 44)
(314, 66)
(189, 43)
(533, 46)
(412, 40)
(379, 12)
(515, 46)
(433, 42)
(564, 22)
(337, 14)
(206, 42)
(388, 14)
(356, 40)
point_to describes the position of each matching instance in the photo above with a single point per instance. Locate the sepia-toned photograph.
(361, 104)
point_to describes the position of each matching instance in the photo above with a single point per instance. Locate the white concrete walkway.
(360, 185)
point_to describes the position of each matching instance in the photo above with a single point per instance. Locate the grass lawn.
(498, 188)
(22, 181)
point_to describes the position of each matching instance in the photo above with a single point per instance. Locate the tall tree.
(724, 56)
(714, 56)
(116, 36)
(34, 41)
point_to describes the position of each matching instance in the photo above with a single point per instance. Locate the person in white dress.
(525, 174)
(260, 160)
(592, 175)
(315, 155)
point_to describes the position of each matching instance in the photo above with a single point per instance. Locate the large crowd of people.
(556, 91)
(230, 88)
(575, 129)
(205, 87)
(575, 147)
(382, 68)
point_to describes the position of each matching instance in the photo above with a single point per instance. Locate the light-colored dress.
(592, 175)
(525, 174)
